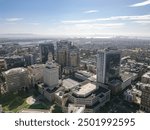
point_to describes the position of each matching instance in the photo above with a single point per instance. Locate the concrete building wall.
(16, 79)
(51, 75)
(36, 73)
(145, 99)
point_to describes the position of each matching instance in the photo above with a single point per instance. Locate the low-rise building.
(69, 83)
(146, 78)
(36, 73)
(88, 94)
(83, 75)
(60, 97)
(48, 93)
(133, 95)
(76, 108)
(127, 78)
(16, 79)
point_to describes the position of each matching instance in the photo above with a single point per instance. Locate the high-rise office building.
(108, 65)
(67, 54)
(44, 51)
(51, 75)
(63, 47)
(74, 58)
(29, 59)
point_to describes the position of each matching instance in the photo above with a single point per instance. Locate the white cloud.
(78, 21)
(147, 2)
(13, 19)
(136, 17)
(129, 18)
(97, 25)
(142, 22)
(90, 11)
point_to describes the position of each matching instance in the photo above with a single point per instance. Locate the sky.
(83, 18)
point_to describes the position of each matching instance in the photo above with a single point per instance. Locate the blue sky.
(75, 17)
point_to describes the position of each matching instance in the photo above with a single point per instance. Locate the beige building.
(67, 54)
(146, 78)
(36, 73)
(16, 79)
(62, 57)
(74, 57)
(90, 95)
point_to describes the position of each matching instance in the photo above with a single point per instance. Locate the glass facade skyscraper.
(108, 65)
(44, 51)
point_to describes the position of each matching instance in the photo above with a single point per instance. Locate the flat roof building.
(90, 95)
(76, 108)
(146, 78)
(36, 73)
(16, 79)
(69, 83)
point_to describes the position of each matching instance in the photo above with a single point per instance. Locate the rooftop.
(101, 92)
(37, 66)
(126, 75)
(146, 75)
(50, 65)
(1, 60)
(93, 78)
(85, 89)
(74, 108)
(69, 83)
(85, 73)
(15, 70)
(60, 94)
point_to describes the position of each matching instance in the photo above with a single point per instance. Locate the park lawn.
(14, 102)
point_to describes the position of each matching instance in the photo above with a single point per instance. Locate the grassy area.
(57, 109)
(39, 106)
(14, 102)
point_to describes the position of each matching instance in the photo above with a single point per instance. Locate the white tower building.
(51, 75)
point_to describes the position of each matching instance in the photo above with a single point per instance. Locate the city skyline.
(85, 18)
